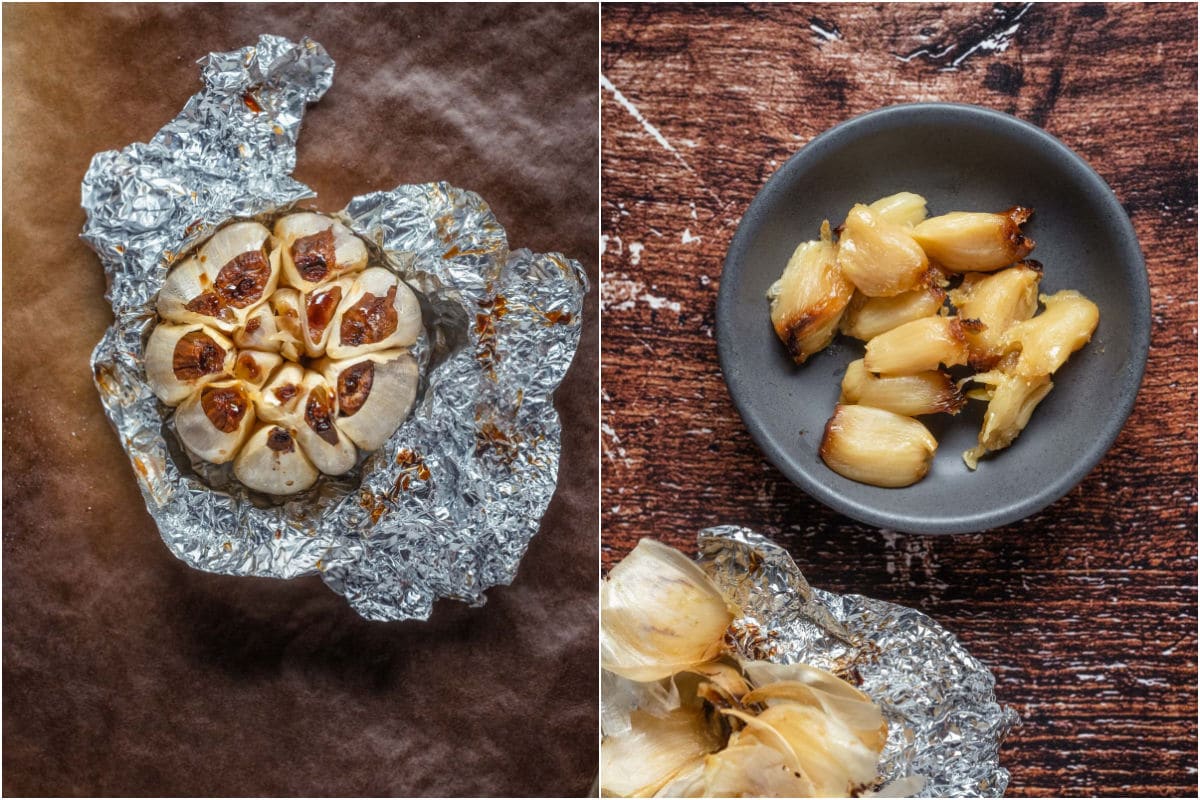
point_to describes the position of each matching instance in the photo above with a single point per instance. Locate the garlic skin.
(314, 248)
(318, 309)
(214, 422)
(375, 394)
(999, 301)
(880, 258)
(868, 317)
(316, 431)
(808, 299)
(1048, 340)
(255, 367)
(878, 447)
(908, 395)
(1012, 399)
(903, 208)
(967, 241)
(660, 614)
(182, 358)
(378, 312)
(270, 462)
(654, 751)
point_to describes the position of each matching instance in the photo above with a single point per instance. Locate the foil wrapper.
(944, 723)
(448, 506)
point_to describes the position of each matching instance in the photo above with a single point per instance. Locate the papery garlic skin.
(378, 312)
(270, 462)
(654, 751)
(913, 395)
(315, 248)
(182, 358)
(999, 301)
(880, 258)
(660, 614)
(808, 299)
(215, 421)
(920, 346)
(1047, 340)
(877, 447)
(1010, 407)
(966, 241)
(375, 392)
(868, 317)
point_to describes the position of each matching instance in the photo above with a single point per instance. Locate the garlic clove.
(968, 241)
(318, 435)
(659, 614)
(879, 257)
(809, 298)
(1046, 341)
(243, 272)
(314, 248)
(270, 462)
(319, 307)
(379, 312)
(214, 422)
(259, 332)
(903, 208)
(187, 296)
(255, 366)
(280, 400)
(654, 751)
(929, 392)
(920, 346)
(182, 358)
(375, 394)
(1011, 401)
(877, 447)
(288, 308)
(999, 300)
(868, 317)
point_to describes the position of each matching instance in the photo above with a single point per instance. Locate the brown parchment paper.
(125, 672)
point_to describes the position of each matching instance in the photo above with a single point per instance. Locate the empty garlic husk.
(879, 257)
(870, 445)
(903, 208)
(1047, 340)
(319, 308)
(255, 367)
(929, 392)
(375, 394)
(998, 300)
(280, 399)
(182, 358)
(1010, 407)
(214, 422)
(659, 614)
(330, 451)
(288, 307)
(920, 346)
(272, 463)
(314, 248)
(808, 299)
(378, 312)
(654, 751)
(967, 241)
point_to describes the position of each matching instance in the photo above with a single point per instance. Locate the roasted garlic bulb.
(964, 241)
(721, 726)
(808, 300)
(289, 381)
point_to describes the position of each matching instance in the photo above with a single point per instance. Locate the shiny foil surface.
(944, 722)
(446, 508)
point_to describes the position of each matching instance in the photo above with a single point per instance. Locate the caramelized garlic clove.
(965, 241)
(243, 272)
(903, 208)
(808, 300)
(1047, 340)
(317, 432)
(255, 367)
(318, 310)
(288, 307)
(280, 399)
(879, 257)
(259, 331)
(1012, 399)
(187, 296)
(920, 346)
(929, 392)
(182, 358)
(270, 462)
(378, 312)
(375, 394)
(214, 422)
(314, 248)
(878, 447)
(868, 317)
(999, 301)
(660, 614)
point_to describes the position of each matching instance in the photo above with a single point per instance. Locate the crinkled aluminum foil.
(940, 701)
(447, 507)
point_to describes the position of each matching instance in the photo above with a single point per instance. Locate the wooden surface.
(1087, 611)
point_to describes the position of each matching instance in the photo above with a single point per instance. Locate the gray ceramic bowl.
(960, 158)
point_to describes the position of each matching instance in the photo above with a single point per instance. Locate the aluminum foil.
(447, 507)
(944, 723)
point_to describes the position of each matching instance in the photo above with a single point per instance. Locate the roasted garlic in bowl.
(283, 352)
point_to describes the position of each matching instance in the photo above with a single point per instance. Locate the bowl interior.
(960, 158)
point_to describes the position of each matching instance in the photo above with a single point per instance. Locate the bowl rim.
(780, 456)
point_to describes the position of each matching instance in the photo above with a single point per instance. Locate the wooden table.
(1086, 612)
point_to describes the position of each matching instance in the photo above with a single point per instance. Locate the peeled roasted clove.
(870, 445)
(809, 298)
(1047, 340)
(1012, 401)
(963, 241)
(999, 301)
(902, 208)
(909, 395)
(214, 422)
(660, 614)
(270, 462)
(182, 358)
(920, 346)
(868, 317)
(314, 248)
(317, 431)
(377, 312)
(879, 257)
(375, 394)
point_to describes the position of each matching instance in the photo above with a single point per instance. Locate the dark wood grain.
(1086, 612)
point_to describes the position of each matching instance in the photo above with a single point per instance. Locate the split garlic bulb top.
(283, 353)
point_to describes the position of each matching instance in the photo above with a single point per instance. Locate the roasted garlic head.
(283, 353)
